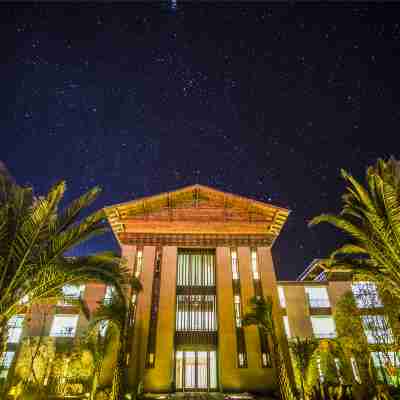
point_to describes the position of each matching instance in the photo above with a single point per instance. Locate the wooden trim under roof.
(196, 211)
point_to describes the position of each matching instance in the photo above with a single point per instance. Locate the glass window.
(323, 326)
(254, 264)
(286, 326)
(71, 292)
(139, 263)
(241, 359)
(376, 329)
(317, 296)
(281, 294)
(15, 325)
(109, 294)
(64, 325)
(234, 261)
(354, 368)
(384, 361)
(196, 268)
(5, 363)
(103, 325)
(366, 295)
(196, 313)
(238, 310)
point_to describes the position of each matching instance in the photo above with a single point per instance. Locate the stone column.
(227, 349)
(160, 378)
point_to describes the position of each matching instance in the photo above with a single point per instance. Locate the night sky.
(267, 101)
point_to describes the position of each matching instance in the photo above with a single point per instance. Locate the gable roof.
(194, 196)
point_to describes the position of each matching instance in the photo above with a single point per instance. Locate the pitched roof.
(191, 196)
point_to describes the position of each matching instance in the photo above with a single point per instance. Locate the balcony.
(325, 335)
(318, 303)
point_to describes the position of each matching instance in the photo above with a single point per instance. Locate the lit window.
(384, 361)
(241, 359)
(64, 325)
(366, 295)
(266, 360)
(71, 292)
(139, 263)
(286, 326)
(196, 313)
(108, 295)
(376, 329)
(323, 327)
(234, 261)
(15, 328)
(238, 311)
(354, 368)
(254, 265)
(5, 363)
(103, 325)
(24, 300)
(317, 297)
(281, 294)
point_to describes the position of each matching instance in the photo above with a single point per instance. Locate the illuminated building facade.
(200, 255)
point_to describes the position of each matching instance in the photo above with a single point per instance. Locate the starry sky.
(267, 101)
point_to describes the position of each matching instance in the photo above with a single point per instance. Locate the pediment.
(196, 210)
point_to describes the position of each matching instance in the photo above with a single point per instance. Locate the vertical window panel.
(254, 264)
(155, 300)
(139, 262)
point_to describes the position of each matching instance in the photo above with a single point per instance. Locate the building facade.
(200, 255)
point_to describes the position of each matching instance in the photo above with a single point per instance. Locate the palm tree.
(260, 314)
(370, 218)
(34, 238)
(118, 317)
(302, 351)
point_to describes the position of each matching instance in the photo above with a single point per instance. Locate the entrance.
(196, 370)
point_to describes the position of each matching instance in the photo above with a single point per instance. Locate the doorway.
(196, 370)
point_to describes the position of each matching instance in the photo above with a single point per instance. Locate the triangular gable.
(196, 209)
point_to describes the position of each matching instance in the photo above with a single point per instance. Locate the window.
(366, 295)
(108, 295)
(234, 263)
(196, 313)
(15, 328)
(376, 329)
(71, 292)
(254, 264)
(317, 297)
(383, 361)
(103, 328)
(241, 359)
(64, 325)
(354, 368)
(286, 326)
(5, 363)
(238, 311)
(139, 263)
(196, 268)
(323, 326)
(281, 295)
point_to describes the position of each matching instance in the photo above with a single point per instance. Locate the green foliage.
(370, 218)
(35, 235)
(35, 358)
(302, 352)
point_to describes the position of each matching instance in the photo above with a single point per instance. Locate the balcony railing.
(64, 332)
(325, 335)
(319, 303)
